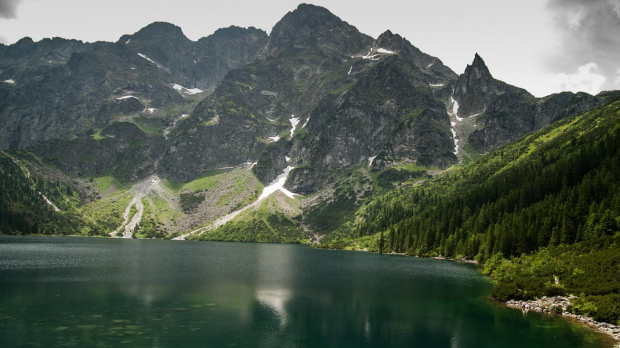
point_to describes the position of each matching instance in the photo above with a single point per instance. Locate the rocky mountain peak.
(314, 27)
(476, 88)
(160, 30)
(478, 69)
(389, 40)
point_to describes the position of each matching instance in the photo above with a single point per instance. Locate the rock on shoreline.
(559, 305)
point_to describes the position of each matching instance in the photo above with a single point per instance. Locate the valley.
(316, 134)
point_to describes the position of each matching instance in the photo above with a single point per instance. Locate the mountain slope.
(557, 185)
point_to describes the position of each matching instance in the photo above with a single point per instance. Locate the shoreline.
(558, 305)
(545, 305)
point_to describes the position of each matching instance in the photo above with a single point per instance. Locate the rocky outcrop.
(476, 88)
(560, 305)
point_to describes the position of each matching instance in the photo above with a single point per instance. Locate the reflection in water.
(78, 292)
(276, 301)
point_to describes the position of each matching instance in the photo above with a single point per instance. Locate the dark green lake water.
(82, 292)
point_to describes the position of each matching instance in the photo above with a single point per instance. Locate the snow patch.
(305, 123)
(151, 110)
(368, 56)
(9, 81)
(453, 124)
(456, 142)
(186, 90)
(431, 64)
(371, 160)
(384, 51)
(350, 69)
(274, 139)
(277, 184)
(127, 42)
(184, 115)
(455, 109)
(147, 58)
(294, 122)
(126, 97)
(193, 90)
(288, 159)
(436, 85)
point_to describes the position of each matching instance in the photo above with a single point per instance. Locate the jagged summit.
(478, 68)
(476, 87)
(315, 27)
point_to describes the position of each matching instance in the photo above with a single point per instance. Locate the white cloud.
(587, 78)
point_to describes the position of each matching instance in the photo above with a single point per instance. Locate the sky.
(544, 46)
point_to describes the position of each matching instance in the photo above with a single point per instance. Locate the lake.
(76, 292)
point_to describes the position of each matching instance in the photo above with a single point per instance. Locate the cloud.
(589, 32)
(8, 8)
(587, 78)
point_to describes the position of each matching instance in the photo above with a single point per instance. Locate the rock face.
(389, 113)
(123, 151)
(510, 116)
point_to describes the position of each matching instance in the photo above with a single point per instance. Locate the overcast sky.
(544, 46)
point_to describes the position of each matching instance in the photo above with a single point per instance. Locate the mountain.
(311, 27)
(502, 113)
(62, 89)
(186, 134)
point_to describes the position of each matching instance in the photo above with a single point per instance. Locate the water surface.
(76, 292)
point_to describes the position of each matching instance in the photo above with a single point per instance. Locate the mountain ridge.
(315, 99)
